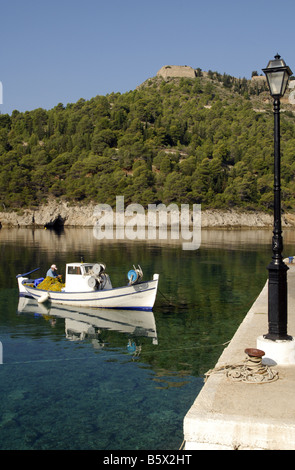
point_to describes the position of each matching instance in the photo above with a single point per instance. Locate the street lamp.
(277, 74)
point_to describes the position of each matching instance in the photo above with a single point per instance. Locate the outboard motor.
(135, 275)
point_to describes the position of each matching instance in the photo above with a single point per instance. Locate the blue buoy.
(132, 276)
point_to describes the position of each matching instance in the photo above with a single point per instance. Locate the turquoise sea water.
(72, 382)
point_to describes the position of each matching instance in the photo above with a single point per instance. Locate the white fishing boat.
(88, 285)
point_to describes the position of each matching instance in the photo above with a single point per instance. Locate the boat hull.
(139, 296)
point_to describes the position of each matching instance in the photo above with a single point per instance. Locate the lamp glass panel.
(275, 80)
(285, 83)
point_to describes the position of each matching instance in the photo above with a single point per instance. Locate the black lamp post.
(277, 74)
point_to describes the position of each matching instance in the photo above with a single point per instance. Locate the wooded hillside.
(206, 140)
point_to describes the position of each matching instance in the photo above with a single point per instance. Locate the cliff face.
(56, 214)
(50, 215)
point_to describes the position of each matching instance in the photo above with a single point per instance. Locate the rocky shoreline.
(58, 214)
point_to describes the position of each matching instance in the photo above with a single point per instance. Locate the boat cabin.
(86, 277)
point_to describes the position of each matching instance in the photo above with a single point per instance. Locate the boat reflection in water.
(86, 323)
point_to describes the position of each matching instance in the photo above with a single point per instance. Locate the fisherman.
(52, 272)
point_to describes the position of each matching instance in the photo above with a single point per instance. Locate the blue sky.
(60, 51)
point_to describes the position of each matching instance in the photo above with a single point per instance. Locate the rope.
(108, 353)
(182, 445)
(166, 298)
(251, 370)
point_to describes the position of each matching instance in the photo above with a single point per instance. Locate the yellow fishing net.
(51, 283)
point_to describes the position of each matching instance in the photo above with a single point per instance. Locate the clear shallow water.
(119, 383)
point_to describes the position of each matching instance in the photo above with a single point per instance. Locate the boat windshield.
(88, 269)
(74, 270)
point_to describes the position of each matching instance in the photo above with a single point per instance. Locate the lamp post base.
(277, 302)
(280, 352)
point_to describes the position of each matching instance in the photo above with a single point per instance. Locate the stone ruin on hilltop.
(168, 71)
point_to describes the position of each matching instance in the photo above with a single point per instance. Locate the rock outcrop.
(54, 214)
(57, 214)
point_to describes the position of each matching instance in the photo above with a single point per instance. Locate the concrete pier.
(237, 415)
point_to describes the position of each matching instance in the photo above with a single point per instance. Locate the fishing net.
(51, 283)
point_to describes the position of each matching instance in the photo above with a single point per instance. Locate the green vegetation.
(190, 141)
